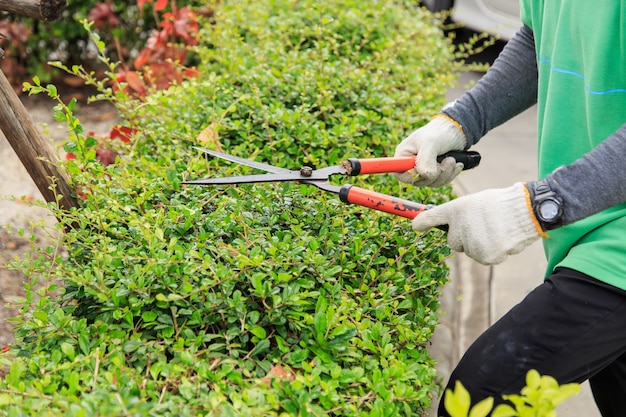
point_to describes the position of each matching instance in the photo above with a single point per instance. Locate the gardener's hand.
(489, 225)
(439, 136)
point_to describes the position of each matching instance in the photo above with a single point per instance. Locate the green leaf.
(70, 147)
(41, 315)
(68, 350)
(298, 356)
(52, 90)
(155, 369)
(172, 175)
(187, 358)
(5, 399)
(91, 142)
(321, 325)
(58, 114)
(344, 337)
(149, 316)
(325, 356)
(259, 332)
(187, 390)
(261, 347)
(83, 343)
(253, 317)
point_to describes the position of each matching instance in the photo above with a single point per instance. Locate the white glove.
(488, 226)
(439, 136)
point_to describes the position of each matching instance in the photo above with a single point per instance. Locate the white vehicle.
(496, 17)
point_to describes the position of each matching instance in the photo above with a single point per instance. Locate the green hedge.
(255, 300)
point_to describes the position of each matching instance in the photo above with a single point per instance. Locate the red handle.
(469, 159)
(379, 165)
(381, 202)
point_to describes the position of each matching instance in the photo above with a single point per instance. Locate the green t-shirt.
(581, 55)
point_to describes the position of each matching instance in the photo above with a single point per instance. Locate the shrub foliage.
(254, 300)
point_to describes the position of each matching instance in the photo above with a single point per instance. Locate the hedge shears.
(351, 167)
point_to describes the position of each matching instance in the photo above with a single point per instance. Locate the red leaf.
(142, 59)
(191, 72)
(82, 194)
(135, 82)
(123, 133)
(160, 5)
(106, 156)
(102, 15)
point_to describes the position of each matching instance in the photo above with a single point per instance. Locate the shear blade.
(277, 174)
(243, 161)
(248, 179)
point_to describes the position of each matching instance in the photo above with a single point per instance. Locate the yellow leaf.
(457, 402)
(210, 135)
(482, 409)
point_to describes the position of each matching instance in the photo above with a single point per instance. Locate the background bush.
(253, 300)
(124, 26)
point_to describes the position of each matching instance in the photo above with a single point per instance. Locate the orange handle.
(380, 165)
(404, 208)
(469, 159)
(381, 202)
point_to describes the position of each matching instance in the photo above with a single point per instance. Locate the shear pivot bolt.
(306, 171)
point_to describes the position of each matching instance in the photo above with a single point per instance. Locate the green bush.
(254, 300)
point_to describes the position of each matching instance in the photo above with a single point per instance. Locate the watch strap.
(531, 211)
(540, 192)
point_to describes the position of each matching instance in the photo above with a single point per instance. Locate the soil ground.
(18, 192)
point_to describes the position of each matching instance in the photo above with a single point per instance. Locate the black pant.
(572, 327)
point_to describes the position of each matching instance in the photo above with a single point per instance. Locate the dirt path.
(17, 191)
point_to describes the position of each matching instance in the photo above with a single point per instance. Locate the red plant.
(160, 4)
(105, 155)
(123, 133)
(161, 62)
(103, 15)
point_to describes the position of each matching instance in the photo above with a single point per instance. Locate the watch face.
(549, 210)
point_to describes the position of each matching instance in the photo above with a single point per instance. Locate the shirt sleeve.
(594, 182)
(508, 88)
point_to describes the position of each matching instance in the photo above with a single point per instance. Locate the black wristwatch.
(547, 205)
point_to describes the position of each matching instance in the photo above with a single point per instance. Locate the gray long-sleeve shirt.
(594, 182)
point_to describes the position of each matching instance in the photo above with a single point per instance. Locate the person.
(568, 58)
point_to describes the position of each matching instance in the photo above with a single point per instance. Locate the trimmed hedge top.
(255, 300)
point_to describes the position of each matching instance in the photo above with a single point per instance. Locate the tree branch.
(37, 155)
(38, 9)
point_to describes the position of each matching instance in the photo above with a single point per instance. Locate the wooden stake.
(38, 9)
(37, 155)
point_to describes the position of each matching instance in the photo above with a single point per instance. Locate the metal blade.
(246, 162)
(249, 179)
(277, 174)
(324, 185)
(321, 184)
(319, 175)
